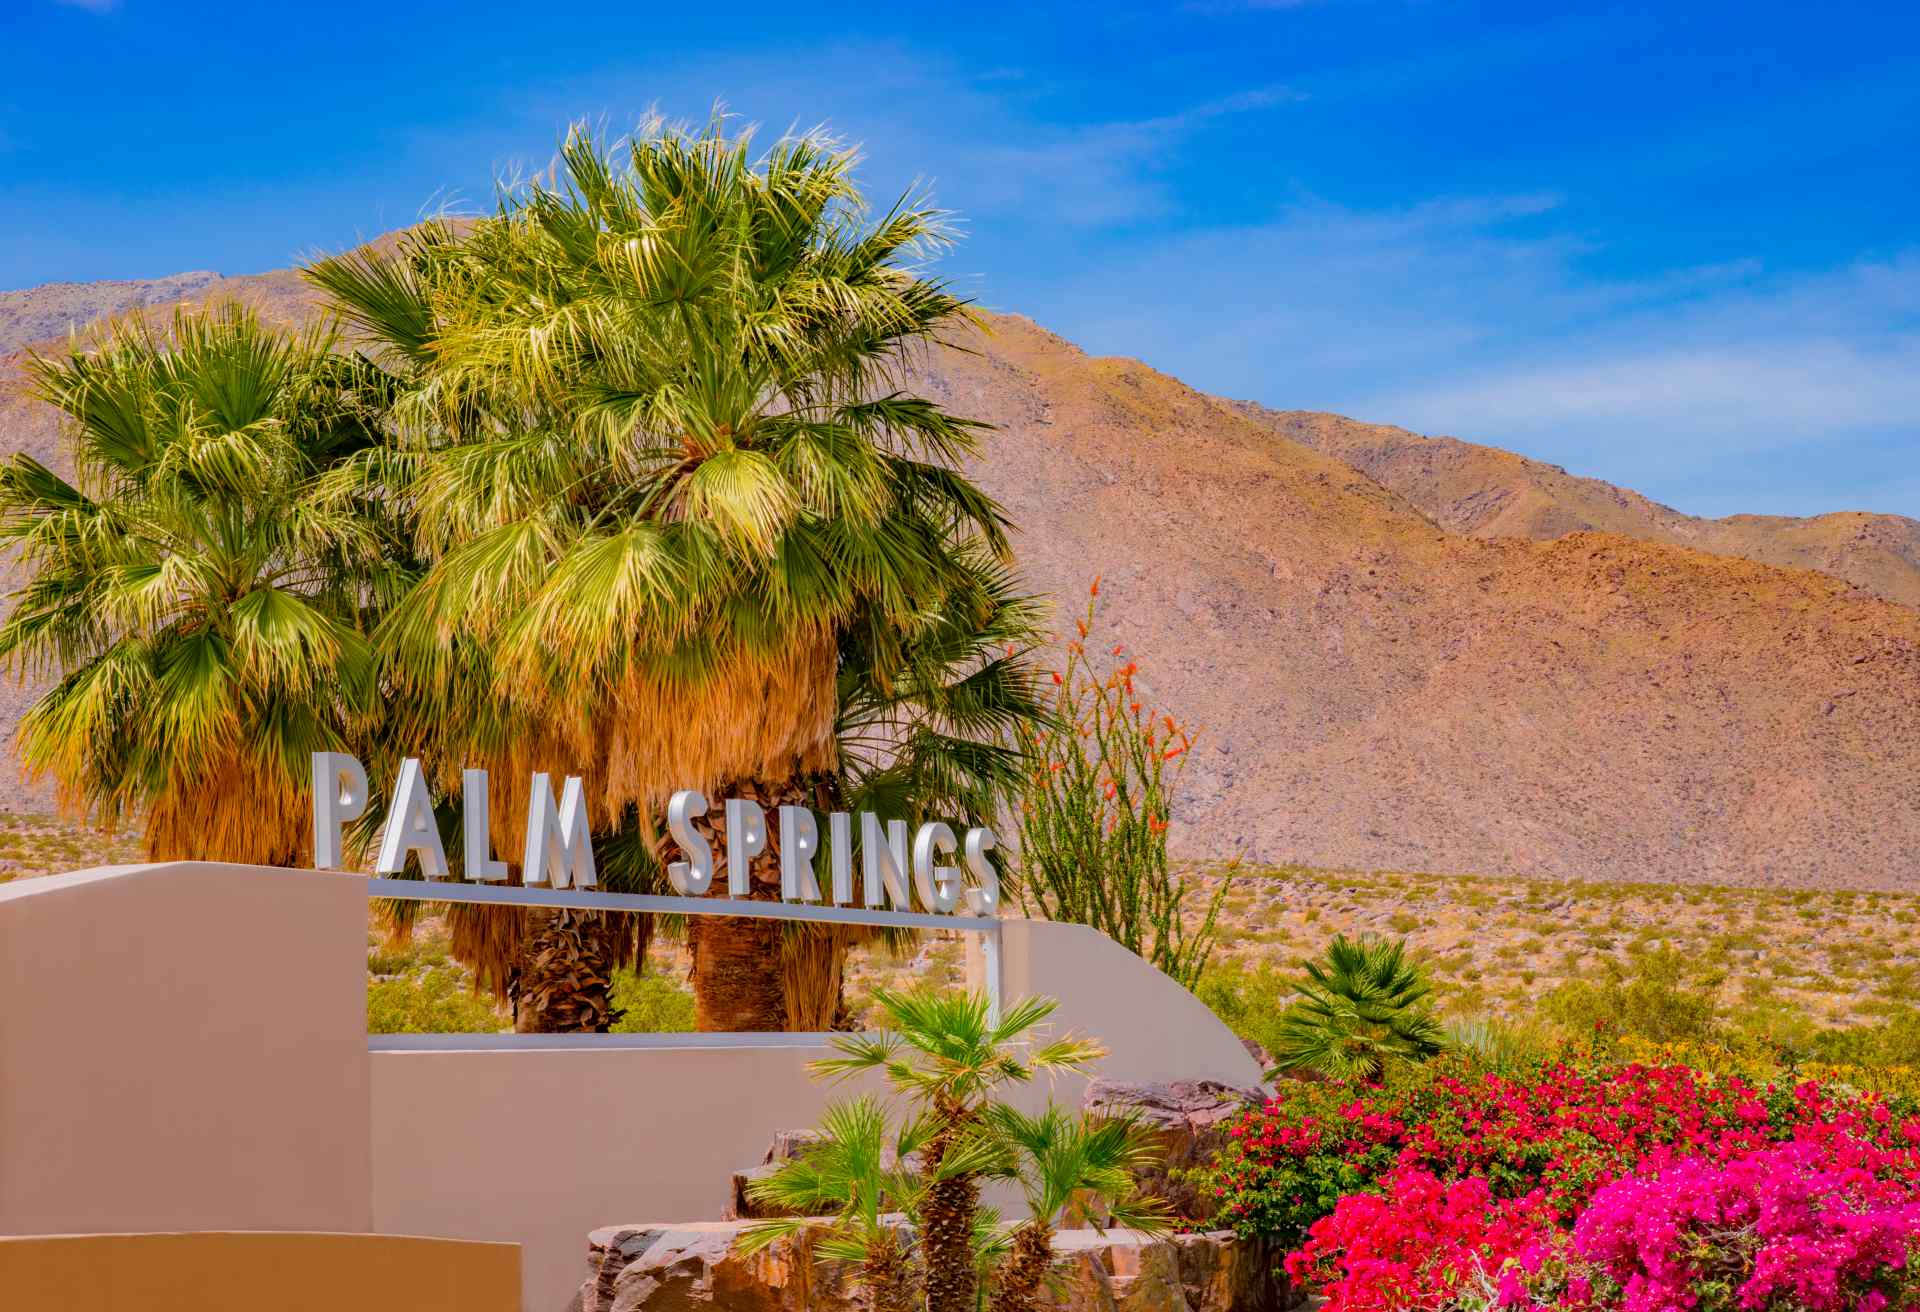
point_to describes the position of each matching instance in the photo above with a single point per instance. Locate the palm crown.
(651, 450)
(864, 1175)
(1072, 1165)
(681, 524)
(949, 1053)
(621, 481)
(203, 615)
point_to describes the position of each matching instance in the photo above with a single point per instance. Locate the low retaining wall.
(695, 1266)
(185, 1048)
(248, 1272)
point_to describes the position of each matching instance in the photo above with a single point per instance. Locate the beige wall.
(226, 1272)
(541, 1147)
(184, 1048)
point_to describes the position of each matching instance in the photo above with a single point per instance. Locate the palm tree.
(1367, 1005)
(1064, 1164)
(867, 1182)
(852, 1173)
(203, 614)
(905, 1212)
(651, 440)
(946, 1053)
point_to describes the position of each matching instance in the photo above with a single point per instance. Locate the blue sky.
(1669, 245)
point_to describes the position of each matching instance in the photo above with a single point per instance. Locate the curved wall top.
(1154, 1030)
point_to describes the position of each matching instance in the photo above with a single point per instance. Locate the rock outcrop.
(1190, 1119)
(787, 1145)
(700, 1265)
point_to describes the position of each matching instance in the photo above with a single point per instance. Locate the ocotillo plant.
(1094, 813)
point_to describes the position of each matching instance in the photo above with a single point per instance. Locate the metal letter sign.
(895, 867)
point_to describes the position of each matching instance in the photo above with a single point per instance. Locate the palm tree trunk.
(739, 962)
(947, 1217)
(813, 975)
(887, 1275)
(564, 978)
(1024, 1270)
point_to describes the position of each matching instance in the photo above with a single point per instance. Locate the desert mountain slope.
(1377, 690)
(51, 310)
(1488, 492)
(1380, 692)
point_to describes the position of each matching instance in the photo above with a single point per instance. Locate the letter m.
(559, 839)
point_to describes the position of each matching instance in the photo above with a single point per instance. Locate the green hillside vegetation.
(1826, 977)
(35, 844)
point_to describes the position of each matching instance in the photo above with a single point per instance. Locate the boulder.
(786, 1145)
(1190, 1120)
(1121, 1271)
(1218, 1269)
(698, 1266)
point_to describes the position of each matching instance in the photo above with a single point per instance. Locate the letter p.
(339, 797)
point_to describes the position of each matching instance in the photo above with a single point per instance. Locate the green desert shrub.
(390, 954)
(1249, 998)
(436, 1000)
(654, 1003)
(1487, 1043)
(1894, 1041)
(1658, 994)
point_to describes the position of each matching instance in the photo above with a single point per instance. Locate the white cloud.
(1479, 316)
(1092, 175)
(993, 151)
(1744, 395)
(1760, 363)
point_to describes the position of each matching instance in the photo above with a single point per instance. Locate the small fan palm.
(1365, 1006)
(946, 1053)
(204, 614)
(866, 1182)
(1063, 1164)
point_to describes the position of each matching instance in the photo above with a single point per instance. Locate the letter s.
(690, 880)
(983, 899)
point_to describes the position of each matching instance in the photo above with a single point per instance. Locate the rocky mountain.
(53, 309)
(1490, 493)
(1381, 684)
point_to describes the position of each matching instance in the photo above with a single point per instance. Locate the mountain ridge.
(1486, 491)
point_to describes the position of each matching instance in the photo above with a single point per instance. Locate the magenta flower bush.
(1423, 1243)
(1622, 1189)
(1822, 1224)
(1566, 1129)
